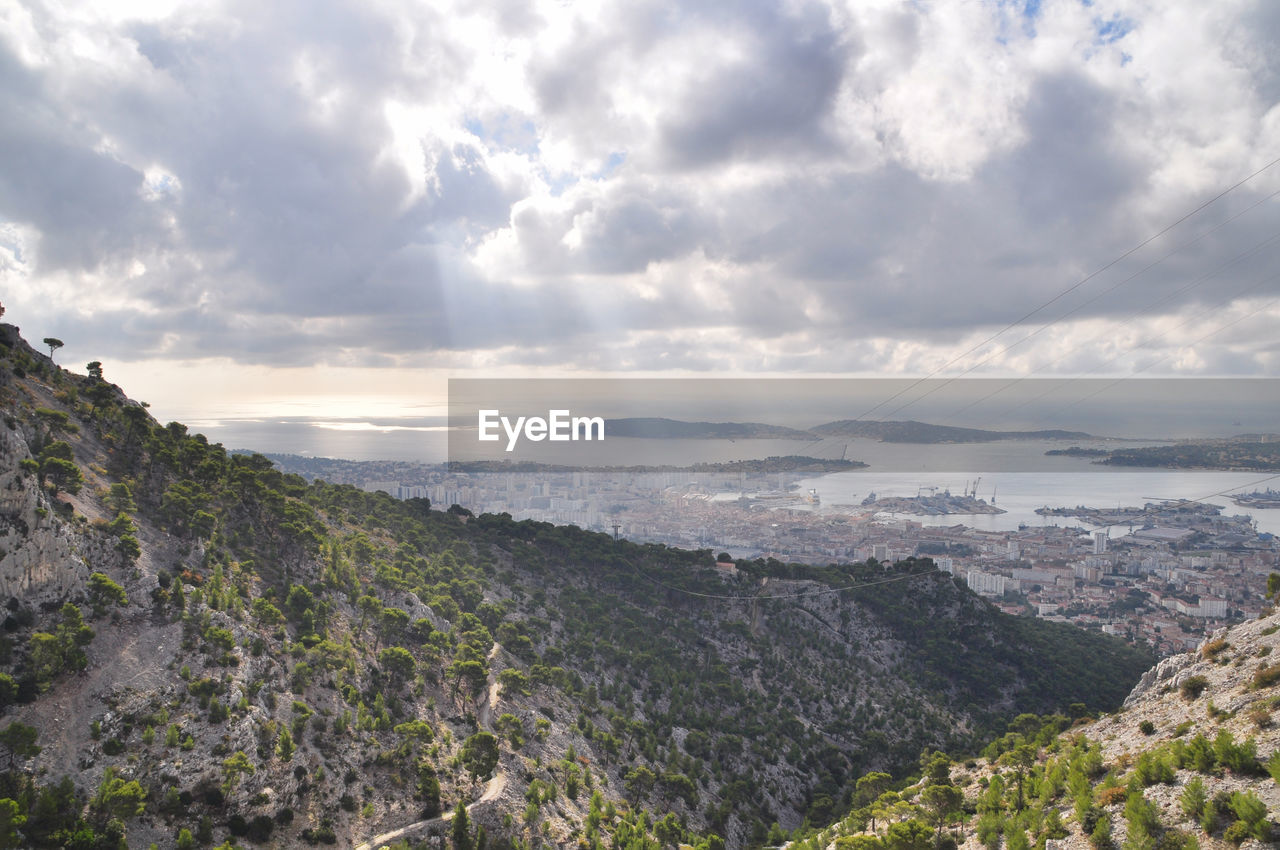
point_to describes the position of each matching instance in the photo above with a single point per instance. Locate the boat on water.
(1267, 498)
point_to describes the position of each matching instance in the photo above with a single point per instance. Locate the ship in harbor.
(1267, 498)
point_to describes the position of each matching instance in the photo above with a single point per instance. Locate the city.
(1175, 573)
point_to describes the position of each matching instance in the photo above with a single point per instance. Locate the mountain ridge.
(657, 427)
(911, 431)
(227, 653)
(892, 431)
(1191, 760)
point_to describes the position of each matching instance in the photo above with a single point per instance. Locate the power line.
(1141, 344)
(1203, 278)
(1070, 289)
(1132, 317)
(1177, 503)
(1164, 357)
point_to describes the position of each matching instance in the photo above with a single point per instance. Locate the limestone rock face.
(1169, 668)
(39, 560)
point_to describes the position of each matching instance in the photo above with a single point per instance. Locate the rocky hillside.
(199, 649)
(1192, 760)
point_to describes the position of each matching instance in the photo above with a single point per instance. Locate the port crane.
(973, 494)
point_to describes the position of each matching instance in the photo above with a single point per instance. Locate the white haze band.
(559, 426)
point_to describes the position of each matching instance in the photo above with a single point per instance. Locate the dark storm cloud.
(659, 186)
(764, 84)
(1252, 44)
(85, 203)
(294, 191)
(776, 98)
(1073, 168)
(290, 204)
(636, 226)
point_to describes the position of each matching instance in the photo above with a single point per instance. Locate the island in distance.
(911, 431)
(659, 428)
(1246, 452)
(908, 431)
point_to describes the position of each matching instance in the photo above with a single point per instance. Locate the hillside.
(1235, 454)
(1192, 760)
(911, 431)
(908, 431)
(655, 427)
(200, 648)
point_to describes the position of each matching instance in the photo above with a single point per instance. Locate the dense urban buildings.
(1175, 573)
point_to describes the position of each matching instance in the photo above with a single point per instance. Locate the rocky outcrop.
(1170, 671)
(39, 560)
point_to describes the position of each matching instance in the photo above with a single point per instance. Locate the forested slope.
(201, 649)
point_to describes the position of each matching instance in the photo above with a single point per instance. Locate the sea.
(1016, 474)
(1021, 493)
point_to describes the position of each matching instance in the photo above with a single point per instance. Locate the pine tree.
(461, 831)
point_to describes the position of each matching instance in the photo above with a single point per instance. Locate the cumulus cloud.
(810, 187)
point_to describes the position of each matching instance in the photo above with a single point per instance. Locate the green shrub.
(1193, 799)
(1193, 686)
(1239, 758)
(1265, 676)
(1252, 813)
(1154, 767)
(1273, 765)
(1237, 833)
(1100, 836)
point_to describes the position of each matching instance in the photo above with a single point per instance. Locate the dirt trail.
(132, 655)
(492, 789)
(485, 711)
(491, 792)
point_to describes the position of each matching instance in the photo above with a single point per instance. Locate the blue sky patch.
(611, 164)
(505, 131)
(1113, 29)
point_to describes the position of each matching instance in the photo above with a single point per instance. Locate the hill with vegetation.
(1235, 454)
(1243, 453)
(656, 427)
(199, 649)
(911, 431)
(908, 431)
(1192, 760)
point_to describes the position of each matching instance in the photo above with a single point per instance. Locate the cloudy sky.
(301, 206)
